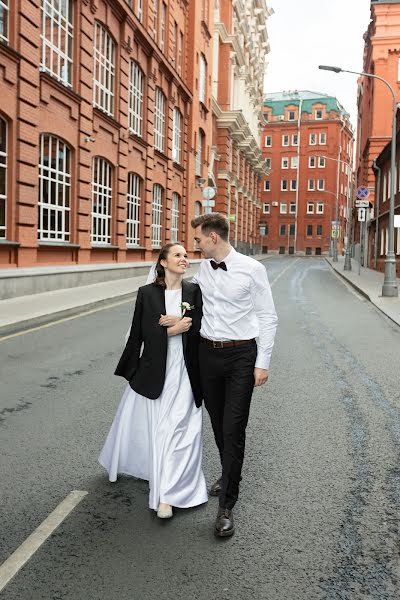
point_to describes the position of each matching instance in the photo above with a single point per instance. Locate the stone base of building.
(36, 280)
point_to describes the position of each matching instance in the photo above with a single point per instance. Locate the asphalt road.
(318, 516)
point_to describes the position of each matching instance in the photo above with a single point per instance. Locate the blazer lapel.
(159, 294)
(187, 296)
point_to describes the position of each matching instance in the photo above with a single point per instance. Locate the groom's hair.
(212, 222)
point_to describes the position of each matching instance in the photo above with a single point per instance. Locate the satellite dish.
(208, 193)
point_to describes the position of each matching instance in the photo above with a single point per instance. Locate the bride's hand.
(182, 326)
(168, 320)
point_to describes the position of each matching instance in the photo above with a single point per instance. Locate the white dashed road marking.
(27, 549)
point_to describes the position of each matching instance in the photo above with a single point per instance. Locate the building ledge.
(56, 244)
(4, 242)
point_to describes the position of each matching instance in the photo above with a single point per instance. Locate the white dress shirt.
(238, 304)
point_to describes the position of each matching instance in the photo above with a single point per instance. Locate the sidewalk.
(24, 312)
(369, 284)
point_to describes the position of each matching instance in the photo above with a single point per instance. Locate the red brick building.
(374, 130)
(299, 194)
(102, 105)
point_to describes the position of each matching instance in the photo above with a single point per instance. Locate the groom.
(237, 308)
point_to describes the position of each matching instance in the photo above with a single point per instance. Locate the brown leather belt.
(229, 344)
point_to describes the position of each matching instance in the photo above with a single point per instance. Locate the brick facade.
(36, 102)
(299, 194)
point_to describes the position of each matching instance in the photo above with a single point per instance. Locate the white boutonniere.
(185, 306)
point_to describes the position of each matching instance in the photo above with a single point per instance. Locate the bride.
(157, 431)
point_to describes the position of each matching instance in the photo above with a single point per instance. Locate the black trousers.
(227, 379)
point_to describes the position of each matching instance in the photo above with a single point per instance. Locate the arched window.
(203, 79)
(177, 137)
(103, 70)
(175, 217)
(4, 13)
(57, 39)
(159, 120)
(136, 81)
(156, 216)
(101, 201)
(54, 189)
(133, 210)
(200, 153)
(3, 178)
(197, 209)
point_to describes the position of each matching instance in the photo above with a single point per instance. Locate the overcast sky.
(306, 33)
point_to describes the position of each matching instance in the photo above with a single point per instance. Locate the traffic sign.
(362, 203)
(208, 203)
(361, 214)
(362, 192)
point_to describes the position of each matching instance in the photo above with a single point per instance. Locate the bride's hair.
(160, 271)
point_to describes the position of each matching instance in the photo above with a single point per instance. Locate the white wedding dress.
(161, 440)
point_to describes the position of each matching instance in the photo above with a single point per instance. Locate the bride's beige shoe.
(164, 511)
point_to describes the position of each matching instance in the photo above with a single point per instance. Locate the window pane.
(57, 39)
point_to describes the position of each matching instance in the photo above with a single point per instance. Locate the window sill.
(104, 247)
(103, 115)
(58, 244)
(134, 247)
(137, 138)
(160, 154)
(4, 242)
(56, 84)
(179, 167)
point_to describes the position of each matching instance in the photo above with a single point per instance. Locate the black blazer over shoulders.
(146, 373)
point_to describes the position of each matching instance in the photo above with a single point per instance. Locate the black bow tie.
(220, 265)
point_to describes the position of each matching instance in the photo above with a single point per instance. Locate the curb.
(359, 290)
(40, 320)
(363, 293)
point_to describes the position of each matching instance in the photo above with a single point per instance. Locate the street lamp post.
(389, 287)
(347, 255)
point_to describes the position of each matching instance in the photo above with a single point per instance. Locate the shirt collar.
(229, 258)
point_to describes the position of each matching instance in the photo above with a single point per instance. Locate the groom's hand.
(260, 376)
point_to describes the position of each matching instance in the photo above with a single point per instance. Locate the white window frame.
(57, 37)
(285, 140)
(180, 53)
(159, 120)
(54, 189)
(267, 185)
(312, 161)
(316, 230)
(268, 141)
(133, 201)
(320, 208)
(283, 208)
(384, 187)
(291, 112)
(310, 208)
(155, 20)
(318, 110)
(268, 163)
(313, 139)
(103, 70)
(139, 9)
(100, 233)
(311, 185)
(282, 225)
(321, 185)
(202, 79)
(285, 162)
(284, 185)
(292, 208)
(177, 137)
(162, 27)
(199, 154)
(156, 216)
(4, 9)
(321, 162)
(293, 185)
(175, 216)
(294, 162)
(4, 167)
(322, 139)
(135, 109)
(295, 139)
(266, 208)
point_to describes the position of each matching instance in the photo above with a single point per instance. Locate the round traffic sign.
(362, 192)
(208, 193)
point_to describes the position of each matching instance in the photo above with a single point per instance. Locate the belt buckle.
(215, 344)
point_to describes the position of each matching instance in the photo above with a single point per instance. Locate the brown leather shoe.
(224, 526)
(216, 488)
